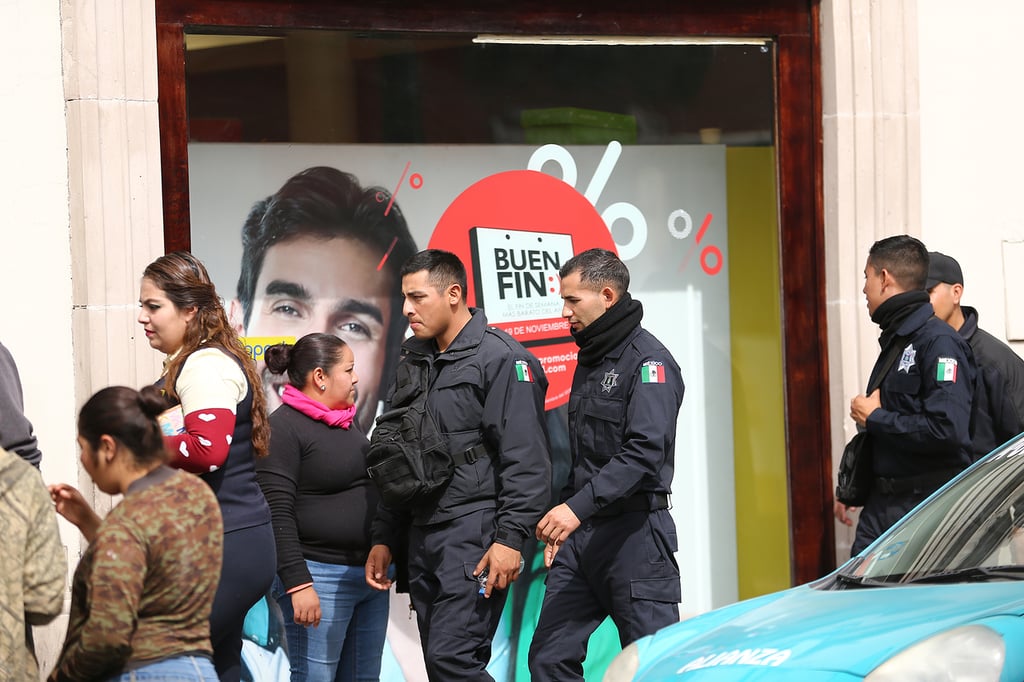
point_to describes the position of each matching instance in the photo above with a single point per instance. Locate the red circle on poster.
(513, 230)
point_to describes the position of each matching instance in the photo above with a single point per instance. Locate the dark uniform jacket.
(923, 425)
(999, 387)
(622, 425)
(485, 388)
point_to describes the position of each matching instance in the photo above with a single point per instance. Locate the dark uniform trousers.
(456, 623)
(621, 566)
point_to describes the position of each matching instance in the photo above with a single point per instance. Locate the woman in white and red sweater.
(224, 430)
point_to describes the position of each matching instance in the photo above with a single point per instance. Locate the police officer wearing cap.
(610, 544)
(919, 417)
(999, 385)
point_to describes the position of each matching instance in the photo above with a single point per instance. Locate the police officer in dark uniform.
(487, 397)
(610, 544)
(998, 412)
(919, 417)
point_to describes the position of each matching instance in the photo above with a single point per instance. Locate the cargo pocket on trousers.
(661, 541)
(668, 590)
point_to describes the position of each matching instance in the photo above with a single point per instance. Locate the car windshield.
(973, 530)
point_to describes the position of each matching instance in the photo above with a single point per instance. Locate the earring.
(323, 387)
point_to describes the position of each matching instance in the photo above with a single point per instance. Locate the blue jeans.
(177, 669)
(348, 644)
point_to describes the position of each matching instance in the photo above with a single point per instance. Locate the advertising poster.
(513, 214)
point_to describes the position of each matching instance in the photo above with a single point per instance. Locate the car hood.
(805, 629)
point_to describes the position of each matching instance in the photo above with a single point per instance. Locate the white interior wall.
(971, 179)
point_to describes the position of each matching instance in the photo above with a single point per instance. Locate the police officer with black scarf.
(919, 418)
(610, 543)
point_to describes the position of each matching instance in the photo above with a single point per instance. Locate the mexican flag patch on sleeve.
(652, 372)
(523, 371)
(946, 370)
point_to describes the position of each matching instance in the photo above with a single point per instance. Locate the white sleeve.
(210, 378)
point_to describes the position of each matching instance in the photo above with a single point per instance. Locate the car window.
(975, 523)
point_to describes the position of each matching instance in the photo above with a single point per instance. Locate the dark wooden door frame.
(791, 24)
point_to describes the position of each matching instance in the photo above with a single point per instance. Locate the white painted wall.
(35, 237)
(35, 242)
(972, 183)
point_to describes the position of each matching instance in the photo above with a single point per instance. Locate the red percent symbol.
(415, 181)
(708, 253)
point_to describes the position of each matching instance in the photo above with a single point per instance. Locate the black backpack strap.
(895, 350)
(412, 379)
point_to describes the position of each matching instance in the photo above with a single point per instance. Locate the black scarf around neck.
(893, 310)
(608, 331)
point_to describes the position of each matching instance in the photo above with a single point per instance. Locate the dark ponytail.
(129, 417)
(308, 353)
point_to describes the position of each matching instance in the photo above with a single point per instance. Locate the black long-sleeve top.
(321, 500)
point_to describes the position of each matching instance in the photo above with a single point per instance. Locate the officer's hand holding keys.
(502, 564)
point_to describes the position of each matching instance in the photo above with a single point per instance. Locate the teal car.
(940, 596)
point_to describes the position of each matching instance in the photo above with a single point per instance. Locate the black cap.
(944, 269)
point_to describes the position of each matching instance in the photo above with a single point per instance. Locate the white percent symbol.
(621, 210)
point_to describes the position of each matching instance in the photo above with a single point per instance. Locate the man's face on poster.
(310, 284)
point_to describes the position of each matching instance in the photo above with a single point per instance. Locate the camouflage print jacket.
(32, 564)
(144, 588)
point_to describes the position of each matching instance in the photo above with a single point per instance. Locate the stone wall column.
(872, 178)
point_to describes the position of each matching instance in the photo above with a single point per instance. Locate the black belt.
(634, 503)
(906, 485)
(469, 456)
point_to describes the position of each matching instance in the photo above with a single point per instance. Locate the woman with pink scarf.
(322, 503)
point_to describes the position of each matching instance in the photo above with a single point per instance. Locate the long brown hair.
(184, 280)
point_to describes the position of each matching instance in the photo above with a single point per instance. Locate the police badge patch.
(610, 381)
(907, 359)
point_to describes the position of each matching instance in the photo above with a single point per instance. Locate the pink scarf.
(317, 410)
